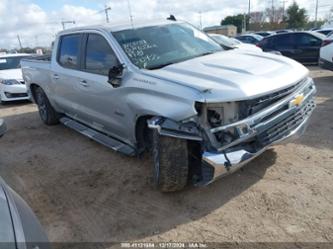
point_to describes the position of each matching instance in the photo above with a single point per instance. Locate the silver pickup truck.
(167, 88)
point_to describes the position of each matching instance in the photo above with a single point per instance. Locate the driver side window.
(99, 55)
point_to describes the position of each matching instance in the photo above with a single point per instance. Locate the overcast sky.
(37, 21)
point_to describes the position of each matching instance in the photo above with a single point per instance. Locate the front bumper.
(265, 130)
(13, 92)
(326, 64)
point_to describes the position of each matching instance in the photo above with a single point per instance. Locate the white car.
(326, 54)
(325, 31)
(12, 86)
(231, 43)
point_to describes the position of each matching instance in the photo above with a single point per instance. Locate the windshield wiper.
(184, 59)
(160, 66)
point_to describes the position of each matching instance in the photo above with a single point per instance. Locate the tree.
(275, 15)
(296, 16)
(237, 20)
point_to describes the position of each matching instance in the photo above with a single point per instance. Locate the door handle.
(84, 83)
(56, 76)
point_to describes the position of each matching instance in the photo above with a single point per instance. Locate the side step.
(98, 137)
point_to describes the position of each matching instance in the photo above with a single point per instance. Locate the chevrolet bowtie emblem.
(298, 100)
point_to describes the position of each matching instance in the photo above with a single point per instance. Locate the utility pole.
(249, 13)
(284, 7)
(107, 13)
(65, 22)
(316, 14)
(200, 16)
(130, 11)
(19, 40)
(273, 12)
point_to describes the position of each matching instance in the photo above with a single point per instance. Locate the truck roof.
(113, 27)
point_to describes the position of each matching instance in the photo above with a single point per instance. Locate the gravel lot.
(82, 191)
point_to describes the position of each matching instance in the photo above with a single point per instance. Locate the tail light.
(326, 42)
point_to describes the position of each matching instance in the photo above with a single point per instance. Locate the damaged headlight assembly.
(224, 124)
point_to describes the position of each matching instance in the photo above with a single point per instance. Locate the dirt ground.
(82, 191)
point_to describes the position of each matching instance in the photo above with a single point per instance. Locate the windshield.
(10, 62)
(223, 40)
(158, 46)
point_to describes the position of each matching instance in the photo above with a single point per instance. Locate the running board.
(98, 137)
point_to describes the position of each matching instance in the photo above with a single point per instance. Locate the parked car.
(167, 88)
(20, 228)
(227, 43)
(283, 31)
(3, 127)
(301, 46)
(265, 33)
(12, 86)
(326, 53)
(325, 31)
(249, 38)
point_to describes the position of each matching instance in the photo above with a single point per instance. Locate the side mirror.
(115, 75)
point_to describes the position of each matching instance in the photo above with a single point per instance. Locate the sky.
(37, 21)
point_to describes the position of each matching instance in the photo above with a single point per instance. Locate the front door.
(99, 100)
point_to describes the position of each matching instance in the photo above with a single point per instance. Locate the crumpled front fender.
(171, 128)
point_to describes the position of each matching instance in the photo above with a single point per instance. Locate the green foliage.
(296, 16)
(237, 20)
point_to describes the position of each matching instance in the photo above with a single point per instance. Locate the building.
(228, 30)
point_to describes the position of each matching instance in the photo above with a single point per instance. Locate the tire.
(171, 163)
(46, 112)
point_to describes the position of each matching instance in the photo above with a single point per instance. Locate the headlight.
(10, 82)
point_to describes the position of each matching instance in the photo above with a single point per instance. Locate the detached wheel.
(171, 164)
(46, 112)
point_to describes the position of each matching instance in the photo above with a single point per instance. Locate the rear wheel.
(171, 163)
(46, 112)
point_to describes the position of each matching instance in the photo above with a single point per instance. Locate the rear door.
(309, 46)
(285, 43)
(65, 73)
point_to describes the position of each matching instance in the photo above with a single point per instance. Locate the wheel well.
(143, 134)
(33, 88)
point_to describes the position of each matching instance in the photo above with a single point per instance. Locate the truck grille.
(250, 107)
(287, 125)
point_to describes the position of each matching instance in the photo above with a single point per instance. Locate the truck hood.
(11, 74)
(234, 75)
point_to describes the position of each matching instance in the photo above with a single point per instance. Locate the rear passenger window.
(69, 51)
(99, 55)
(285, 41)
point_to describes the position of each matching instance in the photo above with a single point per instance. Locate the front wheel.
(171, 164)
(46, 112)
